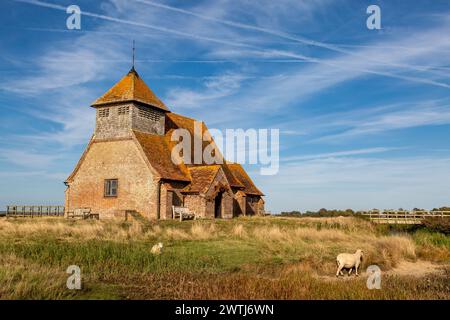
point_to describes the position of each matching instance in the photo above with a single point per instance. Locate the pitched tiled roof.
(175, 121)
(239, 172)
(202, 178)
(157, 149)
(130, 88)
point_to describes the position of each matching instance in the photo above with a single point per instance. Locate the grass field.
(244, 258)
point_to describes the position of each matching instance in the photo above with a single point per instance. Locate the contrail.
(280, 34)
(233, 43)
(133, 23)
(246, 26)
(420, 67)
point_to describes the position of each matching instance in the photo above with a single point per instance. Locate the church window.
(103, 113)
(111, 186)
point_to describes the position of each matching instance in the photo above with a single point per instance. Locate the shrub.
(437, 224)
(321, 213)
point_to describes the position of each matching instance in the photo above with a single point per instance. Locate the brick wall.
(113, 160)
(196, 204)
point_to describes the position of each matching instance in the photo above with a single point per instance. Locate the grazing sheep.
(349, 261)
(157, 248)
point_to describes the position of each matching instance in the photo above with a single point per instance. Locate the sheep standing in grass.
(349, 261)
(157, 248)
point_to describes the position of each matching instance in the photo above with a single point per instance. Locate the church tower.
(129, 105)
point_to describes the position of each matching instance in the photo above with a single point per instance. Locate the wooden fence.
(403, 217)
(34, 211)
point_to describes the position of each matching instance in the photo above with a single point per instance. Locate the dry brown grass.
(239, 231)
(203, 232)
(65, 229)
(245, 258)
(343, 223)
(303, 237)
(321, 235)
(389, 251)
(176, 234)
(21, 279)
(288, 283)
(265, 234)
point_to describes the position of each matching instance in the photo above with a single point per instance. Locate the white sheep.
(157, 248)
(349, 261)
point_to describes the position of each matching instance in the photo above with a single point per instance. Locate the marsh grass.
(244, 258)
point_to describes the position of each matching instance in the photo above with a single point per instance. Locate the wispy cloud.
(359, 183)
(367, 61)
(304, 6)
(246, 65)
(418, 115)
(338, 154)
(27, 158)
(66, 67)
(216, 88)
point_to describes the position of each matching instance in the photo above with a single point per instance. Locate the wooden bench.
(94, 216)
(182, 213)
(83, 213)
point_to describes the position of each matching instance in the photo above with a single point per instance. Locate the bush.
(437, 224)
(321, 213)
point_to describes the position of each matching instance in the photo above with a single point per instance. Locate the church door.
(218, 205)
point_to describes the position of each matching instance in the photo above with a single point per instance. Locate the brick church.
(127, 164)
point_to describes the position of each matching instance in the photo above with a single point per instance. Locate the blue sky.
(364, 115)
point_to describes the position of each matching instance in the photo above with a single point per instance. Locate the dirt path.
(418, 269)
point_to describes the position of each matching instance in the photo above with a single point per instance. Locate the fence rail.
(403, 217)
(34, 211)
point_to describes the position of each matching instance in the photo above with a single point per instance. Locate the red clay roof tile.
(202, 178)
(239, 172)
(130, 88)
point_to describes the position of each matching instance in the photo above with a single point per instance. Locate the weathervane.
(133, 53)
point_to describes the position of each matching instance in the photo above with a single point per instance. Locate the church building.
(127, 164)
